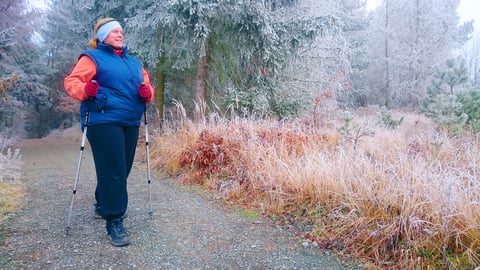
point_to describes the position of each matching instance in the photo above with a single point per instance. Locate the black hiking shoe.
(116, 233)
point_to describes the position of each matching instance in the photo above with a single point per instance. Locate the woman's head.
(109, 31)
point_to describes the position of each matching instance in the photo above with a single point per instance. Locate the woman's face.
(115, 38)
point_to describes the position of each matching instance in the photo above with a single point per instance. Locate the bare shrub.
(9, 159)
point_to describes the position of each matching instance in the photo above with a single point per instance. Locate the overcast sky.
(470, 9)
(38, 3)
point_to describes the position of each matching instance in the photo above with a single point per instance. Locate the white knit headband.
(103, 30)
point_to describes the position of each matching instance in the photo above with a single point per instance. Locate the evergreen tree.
(442, 103)
(470, 101)
(257, 43)
(332, 67)
(20, 59)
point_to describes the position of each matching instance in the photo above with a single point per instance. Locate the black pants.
(113, 148)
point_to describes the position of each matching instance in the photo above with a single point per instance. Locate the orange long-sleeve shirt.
(83, 72)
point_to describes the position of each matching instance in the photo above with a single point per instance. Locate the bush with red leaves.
(207, 156)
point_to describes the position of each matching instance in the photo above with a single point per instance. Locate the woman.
(114, 87)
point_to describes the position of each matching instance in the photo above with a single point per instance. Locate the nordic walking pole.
(82, 147)
(150, 212)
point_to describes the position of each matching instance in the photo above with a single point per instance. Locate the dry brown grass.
(404, 199)
(10, 190)
(11, 194)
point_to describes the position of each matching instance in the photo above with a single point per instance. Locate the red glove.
(144, 91)
(91, 89)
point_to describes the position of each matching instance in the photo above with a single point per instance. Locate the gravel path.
(186, 231)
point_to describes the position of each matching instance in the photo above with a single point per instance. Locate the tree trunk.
(475, 74)
(201, 88)
(416, 60)
(160, 91)
(387, 63)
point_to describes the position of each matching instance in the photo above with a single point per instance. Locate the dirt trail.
(186, 231)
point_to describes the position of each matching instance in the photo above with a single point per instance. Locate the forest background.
(285, 76)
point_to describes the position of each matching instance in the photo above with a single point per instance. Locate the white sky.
(372, 4)
(38, 3)
(468, 10)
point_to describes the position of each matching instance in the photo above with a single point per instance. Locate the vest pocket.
(100, 102)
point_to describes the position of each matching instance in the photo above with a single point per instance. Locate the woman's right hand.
(91, 89)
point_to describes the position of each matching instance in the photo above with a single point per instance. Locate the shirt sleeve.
(83, 72)
(146, 79)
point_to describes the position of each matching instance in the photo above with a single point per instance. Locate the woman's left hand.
(144, 91)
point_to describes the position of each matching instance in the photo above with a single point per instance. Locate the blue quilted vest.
(118, 77)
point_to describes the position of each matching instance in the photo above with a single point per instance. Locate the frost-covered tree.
(227, 52)
(356, 23)
(471, 52)
(268, 45)
(65, 32)
(14, 28)
(336, 63)
(410, 39)
(19, 59)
